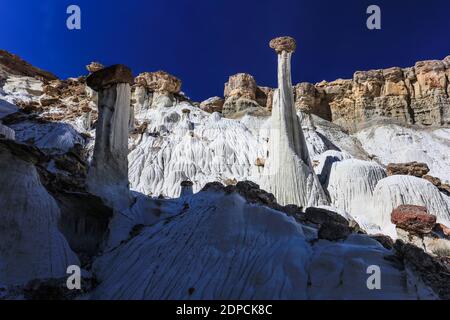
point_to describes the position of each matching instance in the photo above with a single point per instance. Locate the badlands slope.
(220, 242)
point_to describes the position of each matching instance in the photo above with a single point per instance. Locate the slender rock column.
(288, 173)
(108, 173)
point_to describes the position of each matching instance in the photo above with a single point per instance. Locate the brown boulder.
(114, 74)
(333, 231)
(281, 44)
(413, 218)
(416, 169)
(443, 187)
(321, 216)
(94, 67)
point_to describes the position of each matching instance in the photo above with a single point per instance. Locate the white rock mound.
(351, 184)
(396, 190)
(219, 246)
(31, 246)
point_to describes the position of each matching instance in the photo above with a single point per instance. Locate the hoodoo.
(288, 171)
(108, 173)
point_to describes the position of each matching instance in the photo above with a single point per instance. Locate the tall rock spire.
(108, 173)
(288, 171)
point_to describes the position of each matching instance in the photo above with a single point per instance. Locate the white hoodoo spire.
(288, 171)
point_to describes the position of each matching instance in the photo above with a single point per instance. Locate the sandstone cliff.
(415, 95)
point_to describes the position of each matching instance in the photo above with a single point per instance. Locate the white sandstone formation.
(108, 173)
(324, 162)
(31, 246)
(288, 170)
(396, 190)
(155, 89)
(351, 184)
(393, 143)
(222, 247)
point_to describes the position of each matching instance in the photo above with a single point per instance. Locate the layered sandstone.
(243, 95)
(416, 95)
(155, 89)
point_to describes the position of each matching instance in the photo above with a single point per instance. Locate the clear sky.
(204, 42)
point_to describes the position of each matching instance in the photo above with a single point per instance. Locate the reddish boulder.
(415, 219)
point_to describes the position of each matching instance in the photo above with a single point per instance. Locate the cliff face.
(416, 95)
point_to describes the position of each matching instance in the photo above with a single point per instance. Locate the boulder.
(413, 218)
(414, 168)
(94, 67)
(108, 76)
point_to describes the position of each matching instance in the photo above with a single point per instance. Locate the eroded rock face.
(159, 81)
(413, 218)
(155, 89)
(243, 96)
(31, 246)
(288, 171)
(108, 174)
(213, 104)
(12, 64)
(416, 95)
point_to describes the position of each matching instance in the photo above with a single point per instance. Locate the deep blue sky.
(203, 42)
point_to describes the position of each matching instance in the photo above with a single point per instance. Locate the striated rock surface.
(31, 246)
(288, 171)
(397, 190)
(108, 173)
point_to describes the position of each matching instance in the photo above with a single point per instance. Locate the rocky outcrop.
(431, 275)
(213, 104)
(288, 172)
(12, 64)
(416, 95)
(155, 89)
(416, 169)
(419, 170)
(413, 218)
(443, 187)
(243, 96)
(108, 173)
